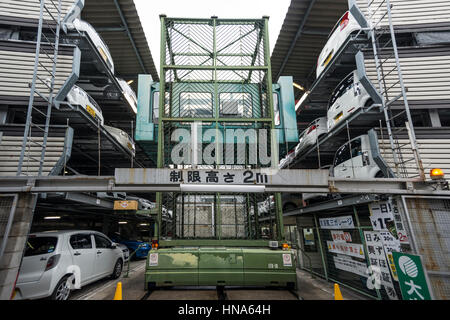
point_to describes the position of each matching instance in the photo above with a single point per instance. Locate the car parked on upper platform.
(354, 160)
(123, 138)
(129, 94)
(348, 97)
(79, 97)
(52, 261)
(311, 134)
(83, 26)
(345, 26)
(286, 161)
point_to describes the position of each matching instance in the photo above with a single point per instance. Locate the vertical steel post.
(363, 242)
(322, 255)
(32, 91)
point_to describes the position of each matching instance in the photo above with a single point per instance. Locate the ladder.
(387, 64)
(42, 84)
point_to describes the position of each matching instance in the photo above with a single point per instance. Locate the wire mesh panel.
(215, 75)
(215, 216)
(430, 222)
(346, 254)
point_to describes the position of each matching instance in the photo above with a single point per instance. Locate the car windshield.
(40, 245)
(94, 103)
(342, 88)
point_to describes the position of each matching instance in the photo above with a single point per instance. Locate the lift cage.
(215, 79)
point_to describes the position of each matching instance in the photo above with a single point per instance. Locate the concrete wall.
(12, 257)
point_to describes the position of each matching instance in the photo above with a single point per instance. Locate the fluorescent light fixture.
(222, 188)
(123, 222)
(144, 224)
(298, 86)
(52, 218)
(303, 98)
(130, 81)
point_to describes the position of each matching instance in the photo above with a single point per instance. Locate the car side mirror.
(113, 246)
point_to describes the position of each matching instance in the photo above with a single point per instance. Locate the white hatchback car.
(83, 26)
(129, 94)
(78, 96)
(123, 138)
(354, 160)
(55, 260)
(345, 26)
(311, 134)
(348, 97)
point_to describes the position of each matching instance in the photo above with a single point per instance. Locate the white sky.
(149, 11)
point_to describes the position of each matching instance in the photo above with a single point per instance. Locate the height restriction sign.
(411, 276)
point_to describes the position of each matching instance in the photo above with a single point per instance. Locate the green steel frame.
(177, 68)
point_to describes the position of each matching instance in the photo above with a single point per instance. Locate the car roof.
(62, 232)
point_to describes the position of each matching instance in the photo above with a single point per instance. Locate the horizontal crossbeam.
(223, 180)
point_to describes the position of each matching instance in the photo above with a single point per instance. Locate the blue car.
(142, 248)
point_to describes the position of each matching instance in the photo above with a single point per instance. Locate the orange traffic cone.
(337, 292)
(118, 294)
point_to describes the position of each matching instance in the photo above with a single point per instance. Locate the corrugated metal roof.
(105, 17)
(314, 26)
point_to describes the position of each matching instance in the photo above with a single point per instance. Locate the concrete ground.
(315, 288)
(309, 288)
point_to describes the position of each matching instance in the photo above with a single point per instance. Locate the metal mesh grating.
(430, 221)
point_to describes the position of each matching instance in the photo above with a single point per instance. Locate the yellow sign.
(338, 117)
(90, 110)
(327, 61)
(392, 266)
(103, 54)
(126, 205)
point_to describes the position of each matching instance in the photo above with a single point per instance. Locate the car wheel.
(380, 174)
(117, 269)
(62, 290)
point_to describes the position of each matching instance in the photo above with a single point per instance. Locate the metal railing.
(387, 65)
(42, 86)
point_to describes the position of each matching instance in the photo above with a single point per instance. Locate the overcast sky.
(149, 11)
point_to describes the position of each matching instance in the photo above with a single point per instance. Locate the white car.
(78, 96)
(129, 94)
(83, 26)
(53, 261)
(348, 97)
(354, 160)
(123, 138)
(310, 135)
(345, 26)
(144, 204)
(287, 159)
(125, 251)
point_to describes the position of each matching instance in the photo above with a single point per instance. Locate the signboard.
(349, 249)
(345, 222)
(341, 236)
(126, 205)
(411, 276)
(377, 257)
(350, 265)
(175, 177)
(153, 260)
(385, 216)
(287, 260)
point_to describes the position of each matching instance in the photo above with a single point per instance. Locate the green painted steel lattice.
(215, 73)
